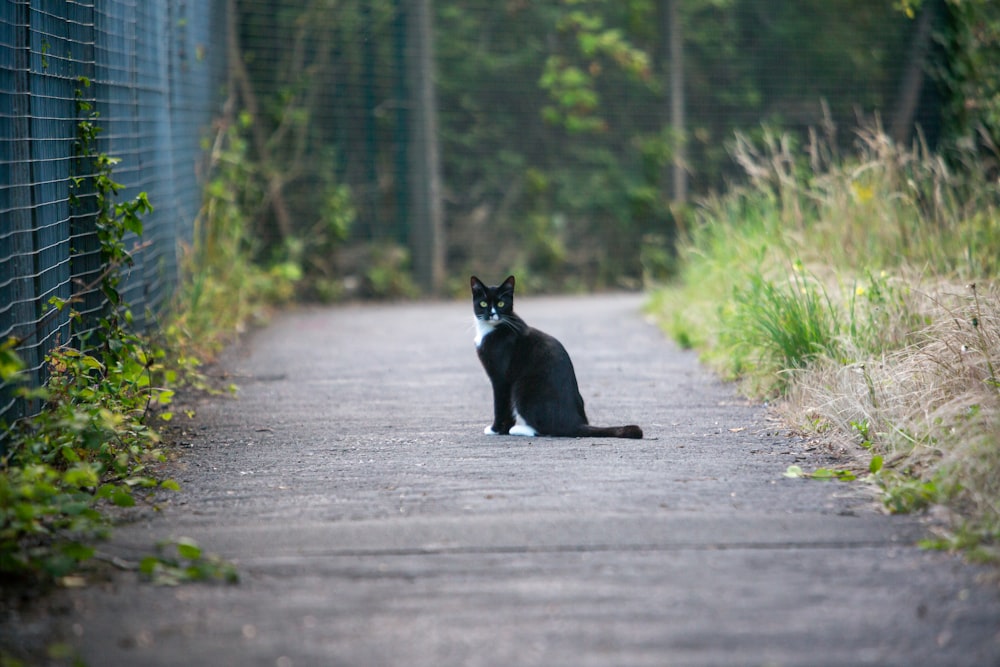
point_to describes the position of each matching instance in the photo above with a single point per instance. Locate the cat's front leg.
(503, 411)
(499, 426)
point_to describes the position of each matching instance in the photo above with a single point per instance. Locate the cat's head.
(492, 304)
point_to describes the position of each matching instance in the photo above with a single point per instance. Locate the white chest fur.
(483, 328)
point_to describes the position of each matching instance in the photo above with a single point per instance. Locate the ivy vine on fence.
(91, 447)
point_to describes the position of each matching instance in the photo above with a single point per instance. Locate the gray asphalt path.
(374, 524)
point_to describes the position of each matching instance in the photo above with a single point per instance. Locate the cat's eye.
(482, 304)
(499, 304)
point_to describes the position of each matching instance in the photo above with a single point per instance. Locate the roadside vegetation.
(96, 443)
(859, 292)
(859, 288)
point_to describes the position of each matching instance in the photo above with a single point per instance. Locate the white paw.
(523, 429)
(489, 430)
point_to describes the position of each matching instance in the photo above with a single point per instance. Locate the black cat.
(534, 385)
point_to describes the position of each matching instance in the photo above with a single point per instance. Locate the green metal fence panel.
(17, 286)
(152, 72)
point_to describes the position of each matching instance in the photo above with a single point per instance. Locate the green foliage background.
(554, 123)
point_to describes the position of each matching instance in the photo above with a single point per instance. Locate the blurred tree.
(971, 76)
(915, 74)
(552, 129)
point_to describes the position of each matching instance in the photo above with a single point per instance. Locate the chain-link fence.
(148, 74)
(558, 128)
(547, 139)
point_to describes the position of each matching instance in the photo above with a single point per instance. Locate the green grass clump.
(222, 289)
(779, 325)
(860, 292)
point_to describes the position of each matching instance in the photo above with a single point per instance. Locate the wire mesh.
(552, 120)
(555, 129)
(150, 72)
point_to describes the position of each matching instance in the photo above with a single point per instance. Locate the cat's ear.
(509, 283)
(475, 283)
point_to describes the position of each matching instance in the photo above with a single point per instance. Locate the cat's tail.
(630, 431)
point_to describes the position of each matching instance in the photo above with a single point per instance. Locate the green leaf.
(140, 481)
(77, 551)
(91, 363)
(829, 473)
(794, 472)
(58, 564)
(170, 485)
(149, 565)
(876, 465)
(81, 475)
(229, 573)
(122, 497)
(10, 363)
(935, 544)
(26, 512)
(188, 548)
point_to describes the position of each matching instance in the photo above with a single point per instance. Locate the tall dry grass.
(862, 292)
(931, 407)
